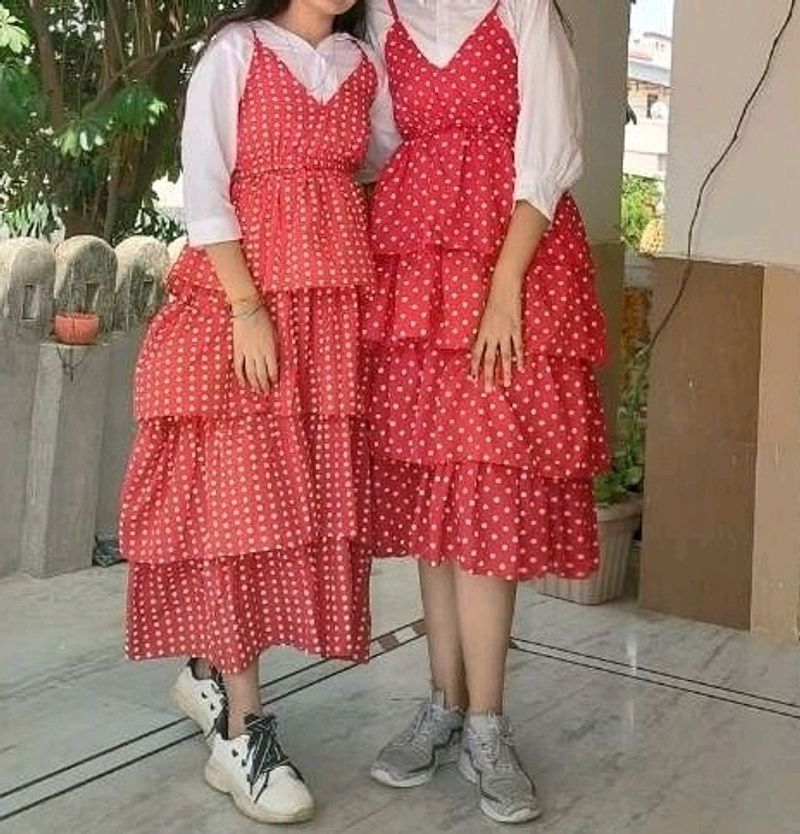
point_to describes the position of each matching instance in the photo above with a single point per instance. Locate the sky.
(652, 15)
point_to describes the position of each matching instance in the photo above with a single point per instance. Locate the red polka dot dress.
(498, 483)
(243, 515)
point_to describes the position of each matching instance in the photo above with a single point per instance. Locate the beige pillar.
(775, 611)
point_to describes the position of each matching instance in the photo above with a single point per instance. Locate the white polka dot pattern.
(302, 215)
(498, 483)
(244, 516)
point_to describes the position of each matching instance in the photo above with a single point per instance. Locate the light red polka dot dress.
(498, 483)
(243, 515)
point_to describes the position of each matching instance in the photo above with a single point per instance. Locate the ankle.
(485, 709)
(453, 697)
(201, 668)
(237, 719)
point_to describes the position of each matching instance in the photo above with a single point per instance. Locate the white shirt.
(208, 143)
(548, 154)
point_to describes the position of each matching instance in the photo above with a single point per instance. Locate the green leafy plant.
(626, 475)
(90, 94)
(640, 197)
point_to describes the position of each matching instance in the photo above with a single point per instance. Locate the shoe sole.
(188, 707)
(217, 778)
(470, 774)
(441, 759)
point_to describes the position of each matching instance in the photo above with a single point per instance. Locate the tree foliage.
(90, 95)
(640, 198)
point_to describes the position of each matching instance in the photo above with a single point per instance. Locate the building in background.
(649, 89)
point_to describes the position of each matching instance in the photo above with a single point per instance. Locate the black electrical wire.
(689, 268)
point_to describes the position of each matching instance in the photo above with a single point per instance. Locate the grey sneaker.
(432, 739)
(488, 759)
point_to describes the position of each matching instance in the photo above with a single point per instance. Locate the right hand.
(255, 352)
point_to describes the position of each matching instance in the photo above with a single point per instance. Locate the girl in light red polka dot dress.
(243, 514)
(487, 427)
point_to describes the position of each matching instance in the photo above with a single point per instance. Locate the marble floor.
(631, 722)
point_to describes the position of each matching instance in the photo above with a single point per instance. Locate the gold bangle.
(250, 311)
(255, 298)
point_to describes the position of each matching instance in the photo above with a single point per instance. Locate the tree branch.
(113, 48)
(144, 65)
(49, 68)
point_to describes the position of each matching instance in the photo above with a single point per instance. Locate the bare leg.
(441, 622)
(202, 668)
(485, 607)
(244, 698)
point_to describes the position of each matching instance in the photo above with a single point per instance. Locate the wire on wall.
(748, 106)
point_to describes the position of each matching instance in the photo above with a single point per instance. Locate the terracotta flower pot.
(76, 328)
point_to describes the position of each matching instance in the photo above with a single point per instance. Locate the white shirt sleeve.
(209, 136)
(385, 138)
(548, 153)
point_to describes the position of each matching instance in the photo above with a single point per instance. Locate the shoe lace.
(264, 752)
(499, 749)
(420, 732)
(509, 778)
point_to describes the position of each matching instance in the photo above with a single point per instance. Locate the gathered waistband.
(468, 133)
(290, 169)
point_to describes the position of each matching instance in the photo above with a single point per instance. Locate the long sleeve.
(548, 153)
(208, 142)
(385, 138)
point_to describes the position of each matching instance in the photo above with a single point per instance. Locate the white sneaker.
(202, 699)
(258, 775)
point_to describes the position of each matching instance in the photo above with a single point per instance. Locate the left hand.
(499, 339)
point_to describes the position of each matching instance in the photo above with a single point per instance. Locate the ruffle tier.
(185, 365)
(209, 489)
(437, 296)
(314, 598)
(428, 411)
(489, 520)
(301, 228)
(453, 190)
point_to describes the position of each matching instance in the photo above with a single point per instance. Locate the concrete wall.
(601, 46)
(701, 445)
(66, 420)
(719, 52)
(722, 524)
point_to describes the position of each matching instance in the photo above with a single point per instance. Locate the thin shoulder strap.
(393, 7)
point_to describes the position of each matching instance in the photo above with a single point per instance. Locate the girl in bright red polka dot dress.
(243, 510)
(483, 335)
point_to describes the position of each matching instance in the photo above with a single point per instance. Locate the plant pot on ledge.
(618, 498)
(617, 525)
(76, 328)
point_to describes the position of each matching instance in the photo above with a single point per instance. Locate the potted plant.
(76, 325)
(618, 495)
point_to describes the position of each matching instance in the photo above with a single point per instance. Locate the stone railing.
(66, 420)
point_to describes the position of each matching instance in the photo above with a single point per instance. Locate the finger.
(252, 375)
(238, 367)
(477, 355)
(489, 362)
(519, 350)
(272, 365)
(262, 373)
(505, 360)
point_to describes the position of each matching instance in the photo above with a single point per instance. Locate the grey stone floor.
(631, 721)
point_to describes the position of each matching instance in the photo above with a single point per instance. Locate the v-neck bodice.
(475, 91)
(282, 126)
(302, 216)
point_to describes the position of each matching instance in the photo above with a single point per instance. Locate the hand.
(500, 333)
(255, 352)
